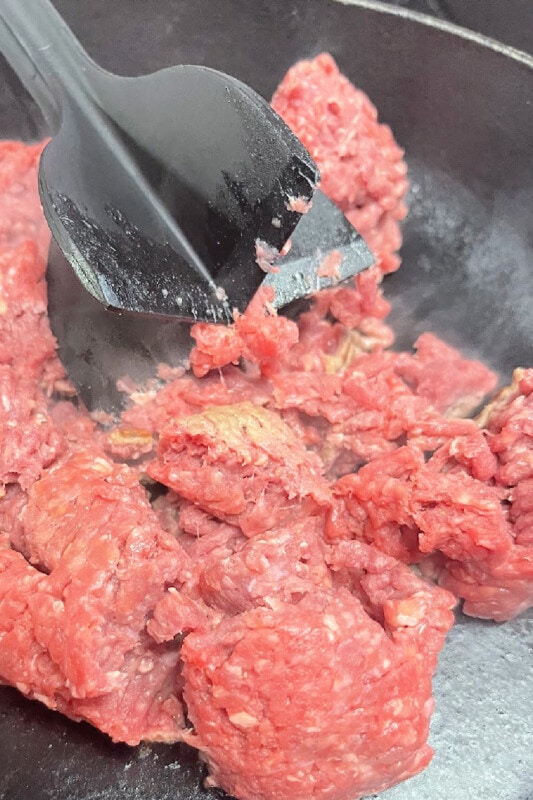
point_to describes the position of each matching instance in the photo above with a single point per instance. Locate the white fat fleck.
(276, 222)
(406, 620)
(6, 404)
(351, 758)
(220, 294)
(115, 676)
(234, 669)
(164, 292)
(42, 698)
(331, 623)
(301, 205)
(265, 255)
(341, 683)
(274, 603)
(103, 466)
(241, 719)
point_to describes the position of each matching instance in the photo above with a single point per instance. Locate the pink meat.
(242, 464)
(372, 402)
(29, 440)
(408, 509)
(26, 342)
(73, 617)
(362, 167)
(500, 588)
(353, 717)
(468, 509)
(281, 565)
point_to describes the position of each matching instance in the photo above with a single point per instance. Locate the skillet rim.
(480, 39)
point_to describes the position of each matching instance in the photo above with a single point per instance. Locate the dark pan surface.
(464, 113)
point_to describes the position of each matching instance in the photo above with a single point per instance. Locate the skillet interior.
(463, 112)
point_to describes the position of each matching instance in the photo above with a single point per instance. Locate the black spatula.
(159, 190)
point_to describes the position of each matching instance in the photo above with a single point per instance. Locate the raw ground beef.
(92, 564)
(501, 456)
(242, 464)
(262, 606)
(353, 718)
(362, 166)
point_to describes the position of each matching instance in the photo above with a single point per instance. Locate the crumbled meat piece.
(353, 719)
(243, 464)
(73, 617)
(408, 509)
(500, 588)
(453, 384)
(330, 265)
(362, 167)
(259, 335)
(265, 256)
(300, 205)
(369, 407)
(29, 440)
(282, 564)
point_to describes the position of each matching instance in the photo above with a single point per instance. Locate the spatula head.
(99, 346)
(157, 190)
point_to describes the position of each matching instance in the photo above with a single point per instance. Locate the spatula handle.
(44, 53)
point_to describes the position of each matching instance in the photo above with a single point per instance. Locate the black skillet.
(463, 109)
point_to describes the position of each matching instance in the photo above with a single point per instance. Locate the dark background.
(510, 21)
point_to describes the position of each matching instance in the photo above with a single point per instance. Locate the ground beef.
(242, 464)
(21, 220)
(74, 607)
(29, 440)
(296, 466)
(408, 509)
(498, 587)
(469, 507)
(282, 564)
(26, 342)
(362, 167)
(353, 719)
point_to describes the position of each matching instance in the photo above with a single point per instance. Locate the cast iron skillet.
(462, 107)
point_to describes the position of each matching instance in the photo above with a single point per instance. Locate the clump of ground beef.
(500, 585)
(75, 597)
(353, 716)
(362, 166)
(254, 472)
(261, 604)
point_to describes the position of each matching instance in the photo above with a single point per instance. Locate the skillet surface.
(463, 112)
